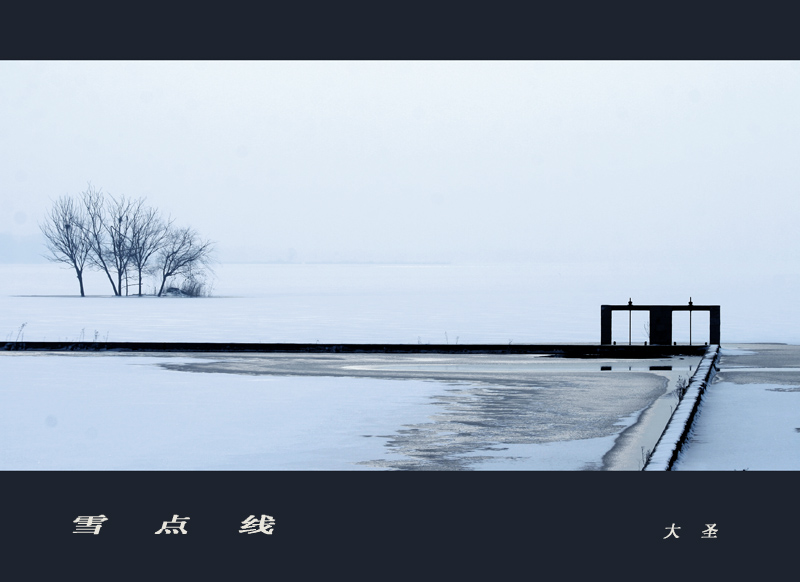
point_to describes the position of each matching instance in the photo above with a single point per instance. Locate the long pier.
(557, 350)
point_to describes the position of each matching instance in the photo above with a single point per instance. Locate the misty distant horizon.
(419, 161)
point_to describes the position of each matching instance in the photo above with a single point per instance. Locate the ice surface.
(748, 417)
(90, 412)
(745, 426)
(115, 411)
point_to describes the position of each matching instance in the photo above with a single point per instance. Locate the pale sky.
(420, 161)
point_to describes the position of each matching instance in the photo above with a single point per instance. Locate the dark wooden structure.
(660, 321)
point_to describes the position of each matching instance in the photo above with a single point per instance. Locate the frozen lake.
(240, 411)
(117, 411)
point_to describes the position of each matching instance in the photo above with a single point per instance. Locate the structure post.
(661, 325)
(605, 324)
(713, 332)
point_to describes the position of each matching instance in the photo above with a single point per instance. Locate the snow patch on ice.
(735, 352)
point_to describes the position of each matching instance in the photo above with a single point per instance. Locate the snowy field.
(302, 303)
(546, 303)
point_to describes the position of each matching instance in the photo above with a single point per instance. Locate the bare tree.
(109, 233)
(183, 253)
(65, 237)
(124, 237)
(119, 226)
(96, 231)
(148, 234)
